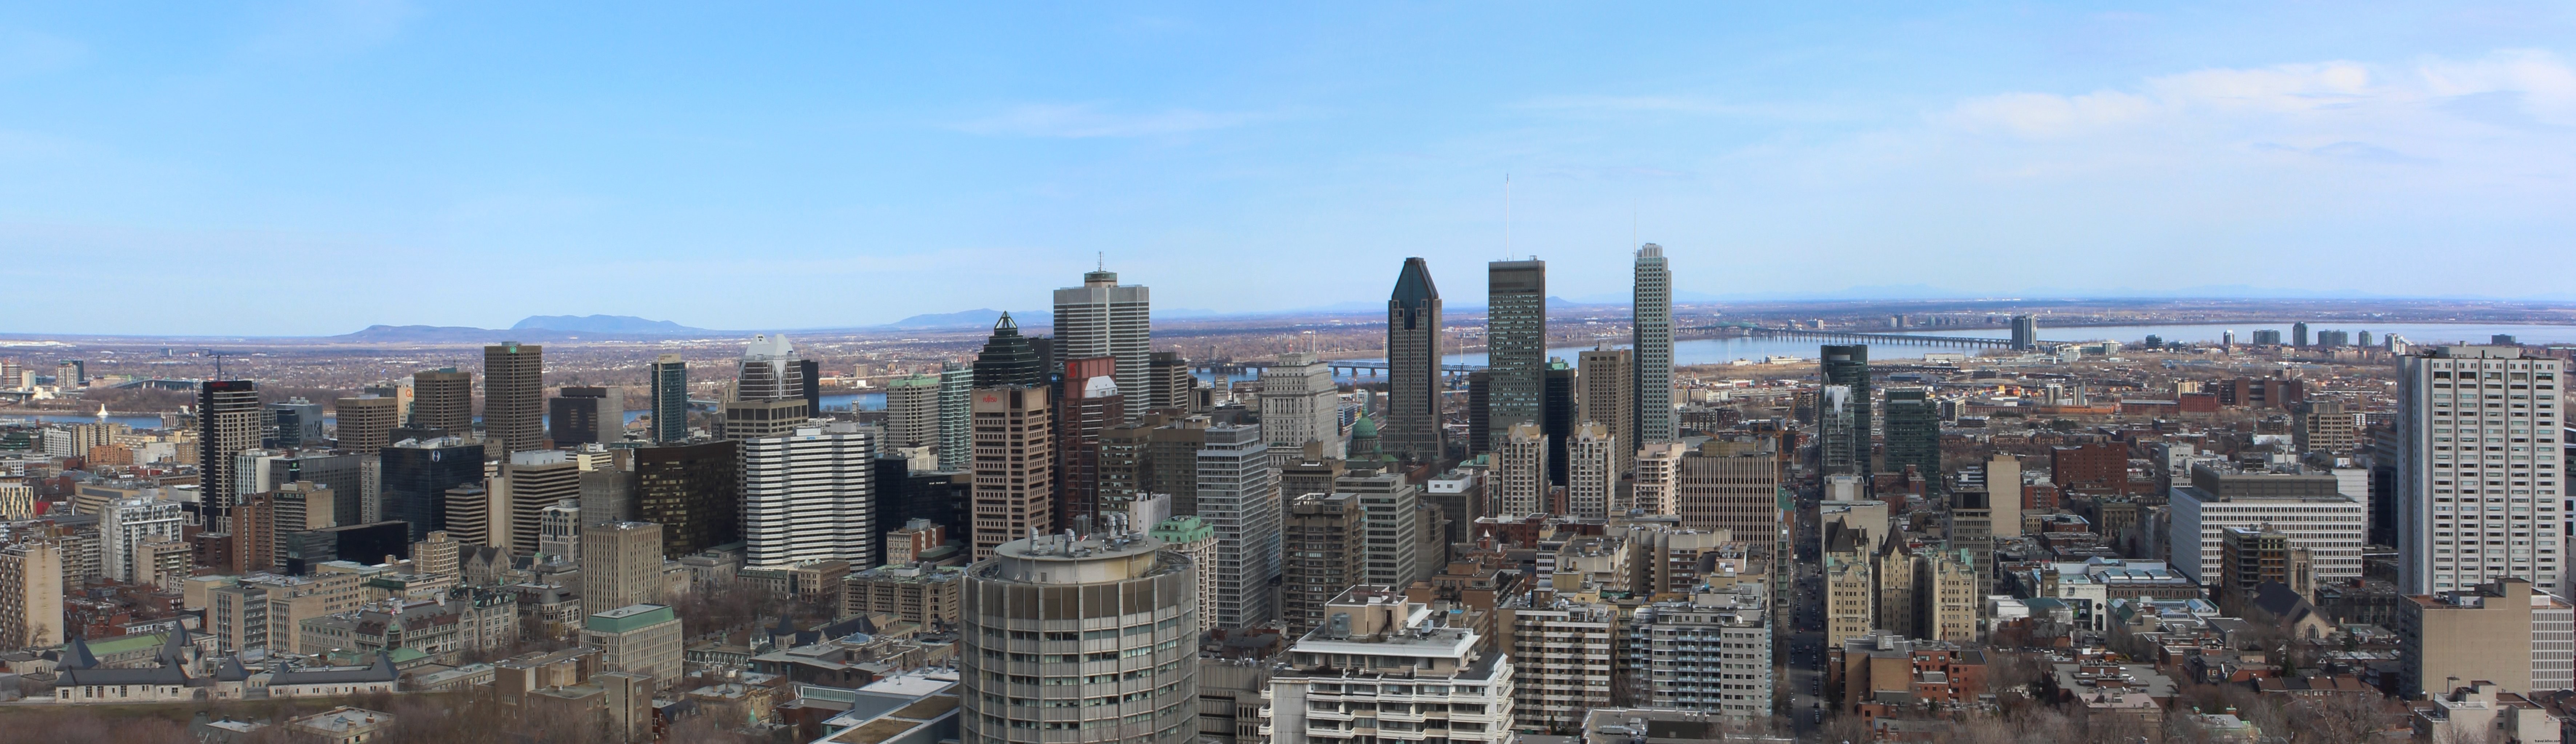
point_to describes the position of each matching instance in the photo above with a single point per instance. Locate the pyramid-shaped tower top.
(1413, 288)
(1006, 326)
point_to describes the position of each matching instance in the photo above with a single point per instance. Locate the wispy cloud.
(1679, 104)
(1084, 120)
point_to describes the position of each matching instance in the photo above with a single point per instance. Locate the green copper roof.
(630, 617)
(1364, 427)
(127, 643)
(1183, 530)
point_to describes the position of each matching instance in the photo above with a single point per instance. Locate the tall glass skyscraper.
(956, 411)
(1009, 360)
(1412, 428)
(670, 381)
(1848, 366)
(1516, 341)
(514, 396)
(1650, 332)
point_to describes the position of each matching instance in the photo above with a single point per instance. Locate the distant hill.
(977, 318)
(623, 324)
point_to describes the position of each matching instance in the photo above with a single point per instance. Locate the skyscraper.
(1300, 404)
(1520, 472)
(2025, 332)
(1480, 412)
(1103, 318)
(1238, 494)
(514, 396)
(768, 397)
(694, 491)
(956, 414)
(1088, 407)
(1017, 608)
(2299, 334)
(809, 496)
(1325, 556)
(1008, 359)
(2458, 400)
(227, 423)
(1516, 342)
(912, 411)
(417, 475)
(1558, 417)
(528, 483)
(1014, 465)
(1412, 429)
(1170, 381)
(586, 415)
(1609, 386)
(670, 381)
(443, 399)
(1914, 433)
(1841, 441)
(1393, 526)
(1591, 478)
(621, 563)
(1650, 331)
(1848, 366)
(364, 420)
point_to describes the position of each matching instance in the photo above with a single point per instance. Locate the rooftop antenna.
(1507, 216)
(1101, 260)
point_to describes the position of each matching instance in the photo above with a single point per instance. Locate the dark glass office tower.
(228, 419)
(1412, 428)
(1848, 365)
(1558, 422)
(1480, 412)
(693, 491)
(1914, 433)
(670, 381)
(584, 415)
(514, 396)
(1009, 359)
(813, 385)
(1516, 342)
(417, 475)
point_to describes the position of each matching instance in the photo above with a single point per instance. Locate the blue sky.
(312, 168)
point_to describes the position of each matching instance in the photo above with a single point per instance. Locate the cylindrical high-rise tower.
(1072, 641)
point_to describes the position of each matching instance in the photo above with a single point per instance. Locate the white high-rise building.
(2478, 492)
(1239, 497)
(1103, 318)
(1709, 654)
(1520, 472)
(810, 496)
(2305, 505)
(1380, 655)
(1650, 331)
(126, 523)
(1300, 404)
(1591, 470)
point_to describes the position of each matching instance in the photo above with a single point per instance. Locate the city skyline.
(333, 138)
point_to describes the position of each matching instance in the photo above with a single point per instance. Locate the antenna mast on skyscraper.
(1507, 216)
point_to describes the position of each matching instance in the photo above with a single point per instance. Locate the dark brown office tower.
(1324, 556)
(812, 384)
(1091, 405)
(443, 399)
(227, 423)
(693, 491)
(1170, 382)
(1014, 466)
(364, 422)
(514, 396)
(1172, 460)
